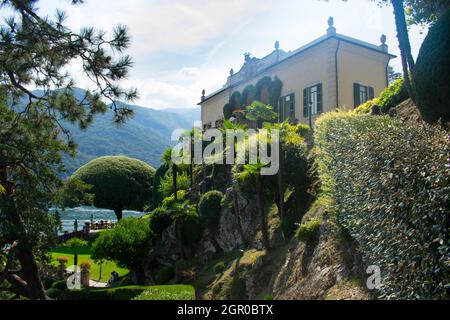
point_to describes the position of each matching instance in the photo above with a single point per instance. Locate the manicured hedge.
(390, 186)
(431, 78)
(122, 293)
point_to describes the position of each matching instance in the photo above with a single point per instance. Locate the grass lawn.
(173, 292)
(84, 254)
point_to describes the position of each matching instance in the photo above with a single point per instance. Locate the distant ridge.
(144, 137)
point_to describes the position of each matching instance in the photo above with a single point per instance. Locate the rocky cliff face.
(326, 267)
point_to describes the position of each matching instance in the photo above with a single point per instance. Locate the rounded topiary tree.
(209, 207)
(431, 78)
(118, 183)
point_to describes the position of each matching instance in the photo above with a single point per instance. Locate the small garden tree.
(128, 244)
(118, 183)
(75, 244)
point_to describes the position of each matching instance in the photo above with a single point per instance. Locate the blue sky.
(182, 47)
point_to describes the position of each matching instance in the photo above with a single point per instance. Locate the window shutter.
(356, 88)
(305, 103)
(292, 106)
(319, 99)
(370, 93)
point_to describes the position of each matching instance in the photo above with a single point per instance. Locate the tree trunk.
(174, 181)
(75, 259)
(281, 185)
(404, 44)
(191, 164)
(237, 212)
(118, 210)
(179, 231)
(262, 216)
(29, 268)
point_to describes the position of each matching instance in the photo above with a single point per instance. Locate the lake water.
(83, 214)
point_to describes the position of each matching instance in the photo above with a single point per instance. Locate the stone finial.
(247, 56)
(331, 31)
(231, 71)
(331, 22)
(277, 45)
(203, 95)
(383, 45)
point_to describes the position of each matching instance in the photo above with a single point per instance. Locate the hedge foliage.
(431, 78)
(391, 97)
(390, 185)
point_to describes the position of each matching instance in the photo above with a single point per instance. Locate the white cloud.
(190, 72)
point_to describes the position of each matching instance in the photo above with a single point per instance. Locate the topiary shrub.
(164, 275)
(248, 95)
(227, 111)
(118, 183)
(431, 78)
(308, 230)
(210, 206)
(219, 267)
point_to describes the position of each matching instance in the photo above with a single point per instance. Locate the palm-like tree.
(167, 158)
(282, 128)
(254, 171)
(180, 213)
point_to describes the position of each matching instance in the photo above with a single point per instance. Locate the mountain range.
(145, 136)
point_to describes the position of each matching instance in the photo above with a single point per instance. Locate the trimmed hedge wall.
(389, 182)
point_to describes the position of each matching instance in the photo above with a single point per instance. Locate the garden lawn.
(84, 254)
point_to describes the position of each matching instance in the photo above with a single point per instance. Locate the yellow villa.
(329, 72)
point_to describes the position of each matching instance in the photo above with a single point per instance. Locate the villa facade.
(330, 72)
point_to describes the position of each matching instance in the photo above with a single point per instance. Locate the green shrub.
(170, 200)
(192, 230)
(392, 96)
(164, 275)
(308, 230)
(268, 297)
(128, 244)
(391, 194)
(60, 285)
(219, 267)
(118, 182)
(210, 206)
(287, 227)
(47, 282)
(431, 78)
(55, 293)
(303, 130)
(160, 220)
(157, 196)
(166, 185)
(174, 292)
(366, 107)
